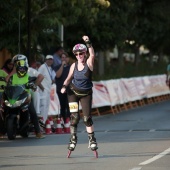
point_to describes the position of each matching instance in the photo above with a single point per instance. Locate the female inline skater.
(80, 90)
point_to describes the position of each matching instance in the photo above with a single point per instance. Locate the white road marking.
(156, 157)
(152, 130)
(136, 168)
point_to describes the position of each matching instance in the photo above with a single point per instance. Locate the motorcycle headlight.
(16, 104)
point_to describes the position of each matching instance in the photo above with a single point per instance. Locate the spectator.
(3, 74)
(57, 59)
(49, 76)
(36, 65)
(36, 95)
(8, 66)
(61, 75)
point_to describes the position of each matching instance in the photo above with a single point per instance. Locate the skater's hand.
(85, 38)
(63, 90)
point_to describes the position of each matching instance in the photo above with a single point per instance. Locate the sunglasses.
(76, 54)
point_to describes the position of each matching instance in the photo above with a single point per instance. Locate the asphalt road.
(137, 139)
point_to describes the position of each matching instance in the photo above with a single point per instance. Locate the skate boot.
(72, 144)
(93, 144)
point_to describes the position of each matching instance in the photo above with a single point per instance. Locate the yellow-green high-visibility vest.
(20, 80)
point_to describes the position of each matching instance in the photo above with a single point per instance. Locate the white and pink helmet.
(79, 48)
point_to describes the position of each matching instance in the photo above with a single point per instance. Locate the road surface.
(137, 139)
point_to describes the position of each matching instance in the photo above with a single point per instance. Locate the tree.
(45, 15)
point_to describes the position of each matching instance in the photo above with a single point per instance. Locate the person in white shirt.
(36, 96)
(49, 78)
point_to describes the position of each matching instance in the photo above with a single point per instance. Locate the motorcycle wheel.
(11, 128)
(2, 124)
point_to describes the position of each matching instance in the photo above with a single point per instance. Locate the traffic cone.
(47, 127)
(51, 121)
(58, 129)
(52, 124)
(62, 122)
(67, 126)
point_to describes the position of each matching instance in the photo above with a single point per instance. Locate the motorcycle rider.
(20, 75)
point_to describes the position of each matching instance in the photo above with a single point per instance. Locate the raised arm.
(60, 70)
(90, 60)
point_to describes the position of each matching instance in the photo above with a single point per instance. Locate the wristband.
(64, 86)
(88, 43)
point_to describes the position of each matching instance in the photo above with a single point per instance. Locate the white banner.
(100, 95)
(140, 87)
(54, 108)
(113, 90)
(130, 89)
(155, 85)
(119, 91)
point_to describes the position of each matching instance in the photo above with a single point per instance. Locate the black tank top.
(82, 79)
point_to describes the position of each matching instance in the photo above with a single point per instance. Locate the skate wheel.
(96, 154)
(69, 153)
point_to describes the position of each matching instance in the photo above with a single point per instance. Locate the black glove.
(2, 87)
(2, 79)
(32, 86)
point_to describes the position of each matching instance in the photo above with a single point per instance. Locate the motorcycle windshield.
(14, 92)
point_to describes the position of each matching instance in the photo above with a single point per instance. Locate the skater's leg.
(86, 103)
(73, 130)
(74, 120)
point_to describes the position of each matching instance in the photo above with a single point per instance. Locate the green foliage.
(107, 22)
(116, 72)
(45, 15)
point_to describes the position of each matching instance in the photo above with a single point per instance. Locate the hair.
(65, 53)
(5, 66)
(59, 48)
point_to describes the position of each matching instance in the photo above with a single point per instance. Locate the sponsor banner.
(54, 108)
(164, 89)
(112, 88)
(139, 84)
(115, 91)
(155, 85)
(129, 89)
(100, 95)
(119, 91)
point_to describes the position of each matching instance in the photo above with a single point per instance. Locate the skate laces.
(92, 142)
(73, 140)
(72, 143)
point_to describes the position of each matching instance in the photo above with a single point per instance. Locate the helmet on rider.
(79, 48)
(21, 68)
(19, 57)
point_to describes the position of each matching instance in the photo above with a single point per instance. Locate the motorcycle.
(15, 116)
